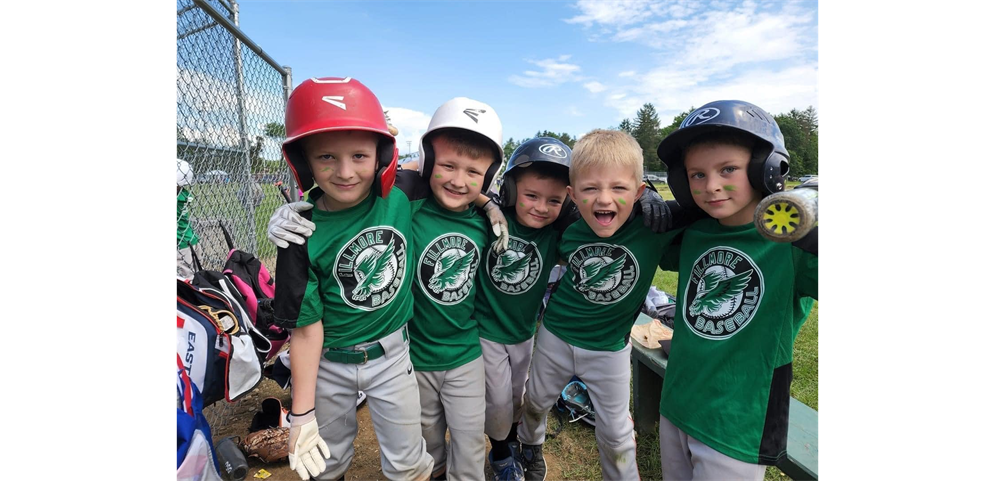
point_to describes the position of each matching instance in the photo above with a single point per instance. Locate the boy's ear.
(570, 194)
(639, 190)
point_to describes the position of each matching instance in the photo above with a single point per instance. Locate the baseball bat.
(284, 191)
(790, 215)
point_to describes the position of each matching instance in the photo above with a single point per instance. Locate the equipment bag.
(575, 402)
(195, 456)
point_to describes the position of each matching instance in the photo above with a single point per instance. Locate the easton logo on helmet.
(473, 113)
(335, 100)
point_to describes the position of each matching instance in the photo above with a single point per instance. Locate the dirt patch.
(234, 419)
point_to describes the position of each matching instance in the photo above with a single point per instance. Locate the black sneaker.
(533, 462)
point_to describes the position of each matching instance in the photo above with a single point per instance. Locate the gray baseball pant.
(683, 457)
(506, 367)
(454, 399)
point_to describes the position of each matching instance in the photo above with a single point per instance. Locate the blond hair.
(612, 149)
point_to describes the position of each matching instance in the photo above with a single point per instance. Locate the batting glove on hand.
(287, 225)
(499, 225)
(304, 444)
(656, 213)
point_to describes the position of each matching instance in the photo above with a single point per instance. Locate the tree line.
(800, 130)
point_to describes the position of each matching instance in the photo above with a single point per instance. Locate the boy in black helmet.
(741, 299)
(512, 285)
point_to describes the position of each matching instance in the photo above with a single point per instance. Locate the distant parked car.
(652, 177)
(806, 178)
(213, 177)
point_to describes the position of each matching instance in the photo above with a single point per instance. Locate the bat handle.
(284, 191)
(787, 216)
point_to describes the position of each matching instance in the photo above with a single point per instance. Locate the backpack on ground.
(575, 402)
(195, 456)
(216, 342)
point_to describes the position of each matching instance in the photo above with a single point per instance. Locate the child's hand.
(499, 225)
(656, 213)
(287, 225)
(307, 450)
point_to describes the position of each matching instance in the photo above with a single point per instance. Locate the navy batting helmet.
(539, 149)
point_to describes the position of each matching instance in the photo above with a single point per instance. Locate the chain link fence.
(230, 103)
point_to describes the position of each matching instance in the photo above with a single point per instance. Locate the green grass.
(213, 202)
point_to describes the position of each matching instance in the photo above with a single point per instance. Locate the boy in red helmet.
(346, 291)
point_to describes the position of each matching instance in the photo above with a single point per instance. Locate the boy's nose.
(344, 171)
(604, 197)
(458, 179)
(713, 184)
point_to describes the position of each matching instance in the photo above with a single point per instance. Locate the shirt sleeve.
(297, 287)
(671, 258)
(412, 184)
(807, 268)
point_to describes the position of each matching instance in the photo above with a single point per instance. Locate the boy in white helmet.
(459, 156)
(186, 238)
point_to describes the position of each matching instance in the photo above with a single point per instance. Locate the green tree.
(275, 131)
(801, 137)
(664, 132)
(626, 126)
(646, 131)
(510, 146)
(562, 137)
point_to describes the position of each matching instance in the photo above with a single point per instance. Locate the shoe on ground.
(507, 469)
(533, 462)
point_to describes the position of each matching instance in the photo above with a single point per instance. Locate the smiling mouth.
(716, 202)
(344, 186)
(453, 192)
(604, 217)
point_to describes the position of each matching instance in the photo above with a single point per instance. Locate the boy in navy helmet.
(512, 284)
(741, 299)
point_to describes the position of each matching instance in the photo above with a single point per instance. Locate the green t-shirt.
(510, 286)
(448, 248)
(359, 277)
(741, 301)
(185, 236)
(606, 281)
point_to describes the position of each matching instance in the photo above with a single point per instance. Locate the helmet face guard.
(768, 160)
(466, 114)
(331, 104)
(539, 149)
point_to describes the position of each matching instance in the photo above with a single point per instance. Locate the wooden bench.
(648, 369)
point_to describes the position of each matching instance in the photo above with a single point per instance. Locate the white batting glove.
(499, 225)
(287, 225)
(305, 442)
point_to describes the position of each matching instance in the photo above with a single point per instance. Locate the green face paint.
(730, 188)
(438, 176)
(696, 192)
(621, 200)
(325, 169)
(473, 184)
(584, 201)
(521, 204)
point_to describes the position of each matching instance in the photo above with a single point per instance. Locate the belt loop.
(366, 356)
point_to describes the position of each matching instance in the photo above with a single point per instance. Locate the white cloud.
(696, 52)
(776, 91)
(614, 13)
(595, 87)
(554, 72)
(574, 111)
(410, 125)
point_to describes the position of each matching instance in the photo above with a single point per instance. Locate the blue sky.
(561, 66)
